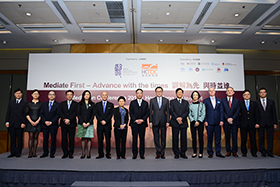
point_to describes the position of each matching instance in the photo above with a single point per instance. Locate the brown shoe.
(157, 156)
(234, 154)
(228, 154)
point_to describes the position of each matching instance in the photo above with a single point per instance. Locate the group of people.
(77, 118)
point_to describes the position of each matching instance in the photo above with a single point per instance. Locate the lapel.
(16, 105)
(260, 103)
(156, 100)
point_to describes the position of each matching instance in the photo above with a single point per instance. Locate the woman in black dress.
(33, 126)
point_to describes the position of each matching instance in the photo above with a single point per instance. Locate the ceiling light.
(107, 40)
(236, 15)
(28, 14)
(160, 40)
(167, 13)
(212, 41)
(55, 40)
(263, 42)
(149, 13)
(4, 42)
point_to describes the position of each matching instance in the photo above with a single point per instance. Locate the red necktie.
(229, 103)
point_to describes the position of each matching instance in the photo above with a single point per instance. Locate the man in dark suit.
(231, 110)
(49, 114)
(247, 123)
(159, 121)
(139, 112)
(266, 120)
(68, 123)
(179, 111)
(104, 112)
(15, 122)
(213, 122)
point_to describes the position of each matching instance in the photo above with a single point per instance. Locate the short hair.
(262, 89)
(35, 90)
(121, 97)
(138, 90)
(69, 91)
(246, 91)
(159, 87)
(52, 91)
(230, 87)
(197, 94)
(18, 89)
(178, 89)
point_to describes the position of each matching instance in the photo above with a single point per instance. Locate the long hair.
(82, 102)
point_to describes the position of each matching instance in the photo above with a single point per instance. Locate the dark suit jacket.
(118, 118)
(247, 118)
(16, 113)
(70, 114)
(232, 112)
(213, 116)
(52, 115)
(177, 110)
(86, 115)
(159, 115)
(137, 112)
(107, 116)
(267, 117)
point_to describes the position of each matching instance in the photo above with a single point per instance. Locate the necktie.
(159, 103)
(213, 102)
(17, 102)
(69, 104)
(229, 103)
(180, 102)
(247, 105)
(104, 106)
(264, 105)
(50, 106)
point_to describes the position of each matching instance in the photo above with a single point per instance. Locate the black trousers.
(16, 135)
(252, 135)
(269, 135)
(160, 144)
(100, 135)
(199, 129)
(68, 133)
(120, 140)
(46, 133)
(175, 141)
(231, 130)
(138, 130)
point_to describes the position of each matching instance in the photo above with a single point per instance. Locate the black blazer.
(107, 116)
(177, 110)
(52, 115)
(137, 112)
(118, 118)
(232, 112)
(70, 114)
(157, 114)
(86, 115)
(16, 113)
(247, 118)
(267, 117)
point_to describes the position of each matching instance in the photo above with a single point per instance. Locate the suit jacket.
(177, 110)
(118, 118)
(86, 115)
(138, 112)
(16, 113)
(51, 115)
(70, 114)
(213, 116)
(159, 115)
(267, 117)
(232, 112)
(107, 116)
(247, 118)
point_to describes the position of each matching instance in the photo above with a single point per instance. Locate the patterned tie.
(213, 102)
(104, 106)
(159, 103)
(229, 103)
(264, 105)
(50, 105)
(247, 105)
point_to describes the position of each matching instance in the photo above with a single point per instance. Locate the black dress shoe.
(220, 156)
(29, 156)
(43, 156)
(34, 155)
(263, 155)
(99, 156)
(200, 155)
(108, 156)
(88, 156)
(157, 156)
(254, 155)
(18, 155)
(184, 156)
(52, 156)
(162, 156)
(210, 156)
(142, 157)
(244, 155)
(71, 156)
(11, 155)
(64, 156)
(194, 155)
(270, 155)
(176, 156)
(134, 157)
(83, 156)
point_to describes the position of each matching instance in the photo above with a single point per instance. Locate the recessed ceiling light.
(28, 14)
(160, 40)
(212, 41)
(149, 13)
(55, 40)
(167, 13)
(236, 15)
(107, 40)
(263, 42)
(4, 42)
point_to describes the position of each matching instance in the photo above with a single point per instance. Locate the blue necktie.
(17, 102)
(50, 106)
(69, 104)
(247, 105)
(180, 102)
(104, 107)
(159, 103)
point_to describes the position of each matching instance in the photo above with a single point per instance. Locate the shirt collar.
(19, 100)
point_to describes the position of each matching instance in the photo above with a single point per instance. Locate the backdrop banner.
(121, 74)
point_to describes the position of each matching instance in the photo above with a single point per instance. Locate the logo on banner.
(226, 69)
(197, 69)
(218, 70)
(118, 70)
(149, 70)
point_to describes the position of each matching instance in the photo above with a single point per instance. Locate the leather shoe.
(64, 156)
(234, 154)
(11, 155)
(43, 156)
(200, 156)
(254, 155)
(134, 157)
(194, 155)
(176, 156)
(123, 157)
(142, 157)
(210, 156)
(108, 156)
(162, 156)
(157, 157)
(52, 156)
(221, 156)
(263, 155)
(83, 156)
(118, 158)
(88, 156)
(71, 156)
(184, 156)
(98, 157)
(18, 155)
(244, 155)
(228, 154)
(270, 155)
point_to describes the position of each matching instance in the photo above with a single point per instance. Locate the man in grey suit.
(159, 121)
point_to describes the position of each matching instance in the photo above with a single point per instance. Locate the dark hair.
(262, 89)
(159, 87)
(18, 89)
(82, 102)
(246, 91)
(35, 90)
(197, 94)
(178, 89)
(121, 97)
(52, 91)
(69, 91)
(138, 90)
